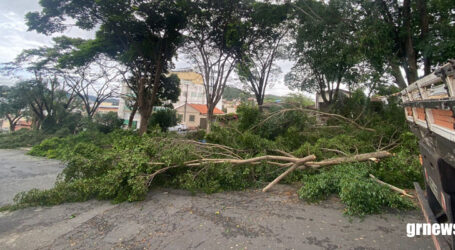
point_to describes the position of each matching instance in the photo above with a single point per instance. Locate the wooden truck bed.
(429, 106)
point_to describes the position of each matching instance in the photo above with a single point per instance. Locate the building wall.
(196, 93)
(5, 125)
(123, 111)
(190, 82)
(190, 112)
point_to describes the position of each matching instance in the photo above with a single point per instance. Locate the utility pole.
(186, 101)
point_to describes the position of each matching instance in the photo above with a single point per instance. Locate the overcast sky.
(15, 38)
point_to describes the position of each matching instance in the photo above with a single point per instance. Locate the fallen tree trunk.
(340, 160)
(205, 154)
(288, 171)
(246, 161)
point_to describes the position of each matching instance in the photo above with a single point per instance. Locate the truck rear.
(429, 105)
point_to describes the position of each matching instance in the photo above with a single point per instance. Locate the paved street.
(175, 219)
(21, 172)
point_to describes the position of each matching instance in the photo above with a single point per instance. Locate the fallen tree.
(316, 113)
(123, 166)
(206, 150)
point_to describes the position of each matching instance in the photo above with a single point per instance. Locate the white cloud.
(14, 34)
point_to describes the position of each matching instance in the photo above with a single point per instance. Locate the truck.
(429, 106)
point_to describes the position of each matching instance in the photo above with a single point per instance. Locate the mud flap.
(439, 242)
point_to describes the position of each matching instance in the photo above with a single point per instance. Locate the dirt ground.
(175, 219)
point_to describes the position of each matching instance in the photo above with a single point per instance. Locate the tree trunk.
(411, 57)
(260, 100)
(143, 106)
(209, 118)
(133, 113)
(424, 29)
(12, 126)
(149, 101)
(145, 117)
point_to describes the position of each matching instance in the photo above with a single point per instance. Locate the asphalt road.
(174, 219)
(20, 172)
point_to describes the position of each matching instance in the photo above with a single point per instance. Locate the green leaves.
(356, 190)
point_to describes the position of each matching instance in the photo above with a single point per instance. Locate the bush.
(165, 118)
(249, 116)
(108, 122)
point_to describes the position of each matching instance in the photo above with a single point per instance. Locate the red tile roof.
(203, 109)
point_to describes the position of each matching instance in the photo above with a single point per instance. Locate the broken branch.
(399, 190)
(288, 171)
(339, 160)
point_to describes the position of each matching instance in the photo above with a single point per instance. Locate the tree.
(407, 35)
(266, 32)
(326, 49)
(142, 35)
(48, 97)
(216, 34)
(108, 122)
(94, 83)
(164, 118)
(12, 105)
(169, 91)
(48, 102)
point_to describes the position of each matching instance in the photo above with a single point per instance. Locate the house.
(192, 91)
(106, 107)
(195, 115)
(319, 101)
(230, 107)
(192, 88)
(22, 123)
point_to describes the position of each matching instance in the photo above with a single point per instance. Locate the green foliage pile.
(357, 191)
(21, 138)
(119, 165)
(101, 123)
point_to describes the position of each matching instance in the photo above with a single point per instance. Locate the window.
(180, 117)
(192, 118)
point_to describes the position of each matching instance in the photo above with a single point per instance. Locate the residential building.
(230, 107)
(22, 123)
(195, 115)
(192, 91)
(106, 107)
(192, 88)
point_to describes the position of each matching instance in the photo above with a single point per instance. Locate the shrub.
(248, 115)
(165, 118)
(108, 122)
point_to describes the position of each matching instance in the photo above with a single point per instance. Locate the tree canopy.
(142, 35)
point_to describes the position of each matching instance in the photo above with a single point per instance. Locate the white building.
(192, 92)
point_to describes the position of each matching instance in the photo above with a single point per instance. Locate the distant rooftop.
(202, 108)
